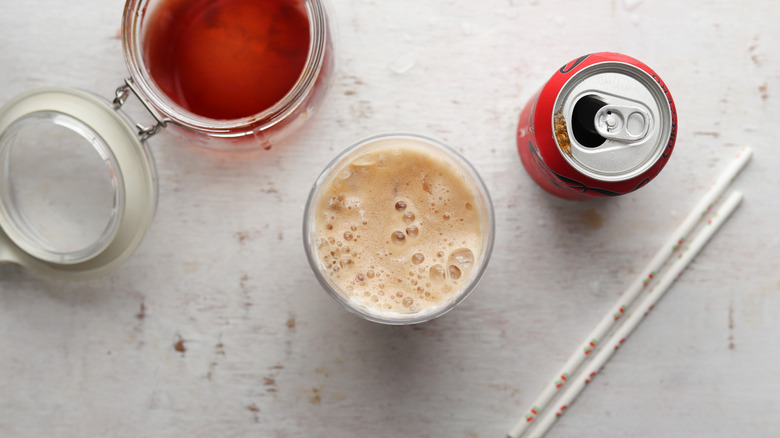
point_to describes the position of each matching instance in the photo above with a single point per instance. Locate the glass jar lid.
(77, 187)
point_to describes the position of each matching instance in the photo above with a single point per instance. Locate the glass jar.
(399, 228)
(263, 129)
(78, 187)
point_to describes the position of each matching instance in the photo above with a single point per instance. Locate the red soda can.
(604, 124)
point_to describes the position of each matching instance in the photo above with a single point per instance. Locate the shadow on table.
(402, 364)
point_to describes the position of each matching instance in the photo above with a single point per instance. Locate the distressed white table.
(217, 328)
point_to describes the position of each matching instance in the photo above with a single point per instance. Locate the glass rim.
(132, 46)
(436, 310)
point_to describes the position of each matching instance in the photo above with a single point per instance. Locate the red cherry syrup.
(226, 59)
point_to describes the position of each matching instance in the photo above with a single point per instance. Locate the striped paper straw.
(629, 296)
(646, 305)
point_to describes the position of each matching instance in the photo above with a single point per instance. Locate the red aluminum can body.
(543, 151)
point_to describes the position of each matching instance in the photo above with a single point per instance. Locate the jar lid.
(78, 188)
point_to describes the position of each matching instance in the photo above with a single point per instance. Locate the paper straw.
(625, 300)
(616, 340)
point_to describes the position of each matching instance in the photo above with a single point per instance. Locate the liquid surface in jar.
(226, 59)
(399, 229)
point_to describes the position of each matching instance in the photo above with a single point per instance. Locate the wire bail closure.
(120, 97)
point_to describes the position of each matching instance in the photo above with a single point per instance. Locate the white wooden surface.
(217, 328)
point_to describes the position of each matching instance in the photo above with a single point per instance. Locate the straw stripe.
(618, 338)
(630, 295)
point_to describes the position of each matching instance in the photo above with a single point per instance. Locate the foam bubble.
(364, 161)
(463, 258)
(426, 185)
(398, 237)
(437, 273)
(345, 174)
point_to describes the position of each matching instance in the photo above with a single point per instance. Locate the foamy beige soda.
(400, 227)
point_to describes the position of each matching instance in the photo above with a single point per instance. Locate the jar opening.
(226, 59)
(227, 68)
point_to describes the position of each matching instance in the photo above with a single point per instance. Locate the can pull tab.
(622, 123)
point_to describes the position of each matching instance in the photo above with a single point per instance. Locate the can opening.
(582, 124)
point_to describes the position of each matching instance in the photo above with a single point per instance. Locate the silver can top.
(612, 121)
